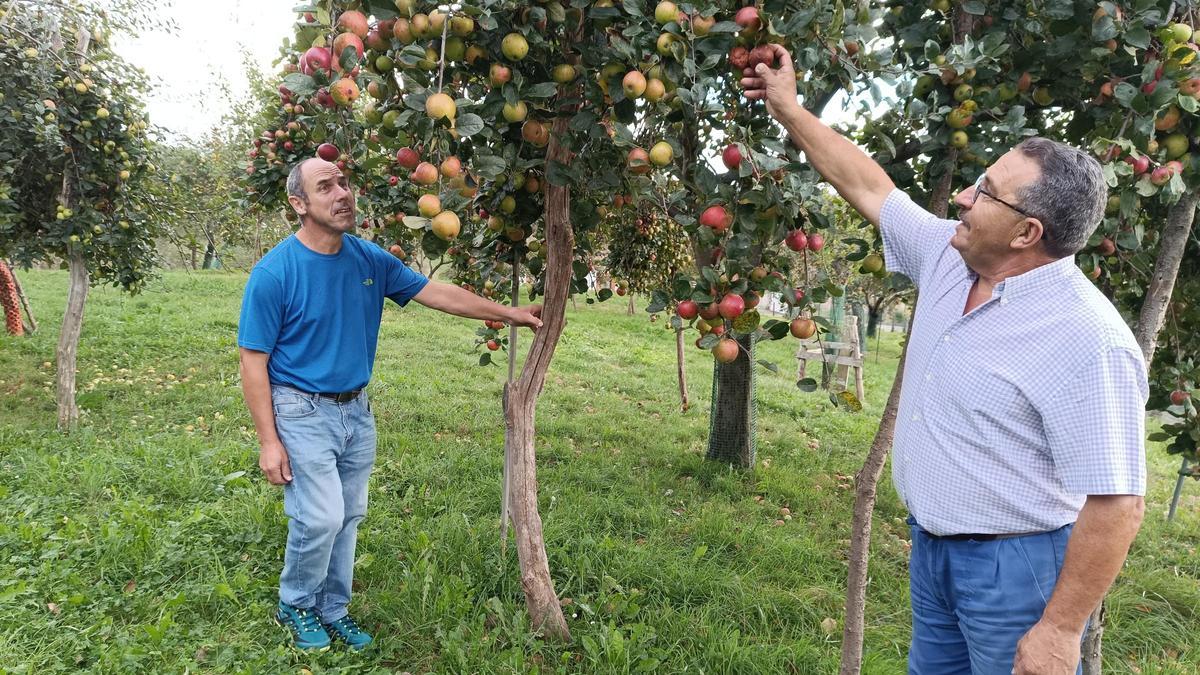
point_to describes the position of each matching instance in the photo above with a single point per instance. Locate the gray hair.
(295, 181)
(1068, 198)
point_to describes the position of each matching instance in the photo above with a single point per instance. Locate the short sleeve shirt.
(1012, 414)
(318, 315)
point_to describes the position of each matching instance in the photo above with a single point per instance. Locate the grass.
(147, 541)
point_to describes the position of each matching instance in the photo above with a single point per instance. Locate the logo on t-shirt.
(368, 281)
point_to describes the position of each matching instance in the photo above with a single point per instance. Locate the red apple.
(803, 328)
(731, 156)
(731, 306)
(425, 174)
(726, 350)
(739, 57)
(687, 310)
(816, 242)
(315, 59)
(716, 217)
(1179, 397)
(1140, 164)
(328, 152)
(762, 54)
(354, 22)
(407, 158)
(747, 18)
(796, 240)
(710, 311)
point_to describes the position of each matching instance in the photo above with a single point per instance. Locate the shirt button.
(1004, 301)
(928, 377)
(916, 417)
(946, 338)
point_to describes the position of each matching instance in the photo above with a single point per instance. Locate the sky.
(189, 68)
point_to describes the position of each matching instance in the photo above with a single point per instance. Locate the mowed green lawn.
(147, 541)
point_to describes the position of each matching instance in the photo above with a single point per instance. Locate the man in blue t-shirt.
(307, 337)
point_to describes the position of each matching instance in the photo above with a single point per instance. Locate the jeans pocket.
(290, 405)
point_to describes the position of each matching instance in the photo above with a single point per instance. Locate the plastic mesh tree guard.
(733, 419)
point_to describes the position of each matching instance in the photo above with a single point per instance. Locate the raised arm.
(857, 178)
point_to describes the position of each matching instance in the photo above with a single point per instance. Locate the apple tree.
(73, 158)
(508, 127)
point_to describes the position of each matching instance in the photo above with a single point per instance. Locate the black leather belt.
(344, 397)
(981, 537)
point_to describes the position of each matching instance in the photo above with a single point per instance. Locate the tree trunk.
(865, 482)
(1171, 245)
(68, 342)
(520, 404)
(1091, 655)
(681, 370)
(632, 307)
(731, 429)
(867, 479)
(32, 328)
(874, 315)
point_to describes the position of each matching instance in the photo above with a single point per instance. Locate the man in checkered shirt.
(1019, 446)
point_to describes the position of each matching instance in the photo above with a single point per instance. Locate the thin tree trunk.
(72, 325)
(632, 308)
(1171, 245)
(68, 342)
(865, 483)
(681, 370)
(25, 303)
(873, 317)
(520, 403)
(867, 479)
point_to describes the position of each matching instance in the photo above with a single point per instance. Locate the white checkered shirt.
(1011, 415)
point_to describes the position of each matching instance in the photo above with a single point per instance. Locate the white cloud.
(189, 68)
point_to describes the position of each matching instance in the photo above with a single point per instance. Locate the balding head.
(295, 181)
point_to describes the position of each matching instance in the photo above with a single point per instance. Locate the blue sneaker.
(307, 633)
(346, 630)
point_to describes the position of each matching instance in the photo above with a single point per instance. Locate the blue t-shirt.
(318, 314)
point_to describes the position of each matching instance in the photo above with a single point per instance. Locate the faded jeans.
(331, 449)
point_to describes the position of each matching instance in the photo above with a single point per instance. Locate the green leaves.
(468, 124)
(807, 385)
(300, 84)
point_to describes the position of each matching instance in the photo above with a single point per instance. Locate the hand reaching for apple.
(777, 86)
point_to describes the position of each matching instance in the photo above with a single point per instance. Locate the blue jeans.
(972, 601)
(331, 449)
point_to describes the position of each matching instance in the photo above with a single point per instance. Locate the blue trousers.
(331, 448)
(972, 601)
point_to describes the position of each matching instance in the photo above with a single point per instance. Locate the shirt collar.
(1041, 278)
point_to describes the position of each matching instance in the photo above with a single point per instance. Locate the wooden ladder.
(846, 354)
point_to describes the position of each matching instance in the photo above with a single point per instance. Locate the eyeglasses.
(979, 190)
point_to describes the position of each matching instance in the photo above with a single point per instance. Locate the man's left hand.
(527, 316)
(1047, 650)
